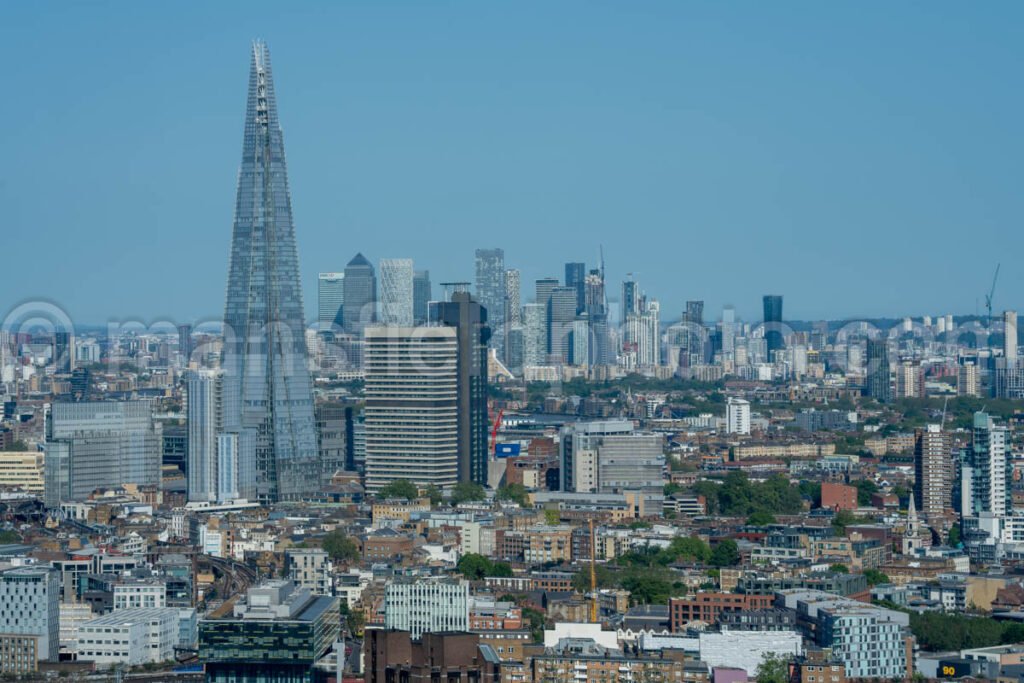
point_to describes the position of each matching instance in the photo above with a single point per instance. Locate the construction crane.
(494, 432)
(991, 293)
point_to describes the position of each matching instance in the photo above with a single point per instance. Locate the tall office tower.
(535, 338)
(729, 329)
(513, 297)
(561, 313)
(419, 606)
(412, 413)
(819, 335)
(330, 300)
(490, 292)
(579, 342)
(99, 445)
(877, 385)
(30, 614)
(469, 319)
(185, 345)
(220, 466)
(421, 295)
(396, 291)
(773, 324)
(933, 472)
(267, 387)
(543, 288)
(594, 302)
(694, 312)
(967, 380)
(737, 416)
(360, 295)
(64, 352)
(1010, 338)
(575, 277)
(631, 300)
(909, 380)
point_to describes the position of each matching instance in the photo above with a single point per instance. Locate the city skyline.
(814, 205)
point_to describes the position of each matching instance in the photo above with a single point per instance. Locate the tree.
(691, 548)
(839, 568)
(9, 536)
(725, 554)
(340, 547)
(761, 518)
(672, 488)
(467, 491)
(473, 566)
(954, 535)
(399, 488)
(552, 517)
(434, 494)
(875, 577)
(843, 519)
(865, 488)
(773, 668)
(514, 492)
(647, 586)
(17, 446)
(604, 577)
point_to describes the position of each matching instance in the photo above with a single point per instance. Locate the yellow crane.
(593, 574)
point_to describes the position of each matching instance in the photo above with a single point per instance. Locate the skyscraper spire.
(268, 398)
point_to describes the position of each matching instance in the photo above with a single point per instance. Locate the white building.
(426, 606)
(746, 649)
(72, 614)
(396, 276)
(130, 636)
(737, 416)
(139, 593)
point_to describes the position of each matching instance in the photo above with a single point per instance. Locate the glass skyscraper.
(268, 398)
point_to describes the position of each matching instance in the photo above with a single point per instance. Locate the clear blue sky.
(859, 158)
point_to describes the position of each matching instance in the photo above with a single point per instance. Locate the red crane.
(494, 432)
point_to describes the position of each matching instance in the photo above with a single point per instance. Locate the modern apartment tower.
(421, 295)
(267, 388)
(933, 472)
(1010, 338)
(412, 406)
(773, 336)
(490, 291)
(396, 291)
(469, 319)
(876, 380)
(64, 352)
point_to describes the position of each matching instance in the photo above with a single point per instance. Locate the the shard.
(268, 399)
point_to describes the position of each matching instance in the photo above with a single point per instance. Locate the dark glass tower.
(360, 295)
(268, 398)
(470, 320)
(876, 364)
(773, 324)
(576, 276)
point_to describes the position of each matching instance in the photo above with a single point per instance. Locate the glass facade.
(267, 389)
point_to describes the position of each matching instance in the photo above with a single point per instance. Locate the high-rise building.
(360, 294)
(98, 445)
(575, 277)
(412, 397)
(594, 301)
(330, 299)
(63, 352)
(876, 381)
(30, 618)
(737, 416)
(631, 300)
(535, 342)
(421, 606)
(490, 291)
(933, 472)
(396, 291)
(561, 313)
(967, 383)
(422, 293)
(513, 296)
(579, 342)
(694, 312)
(987, 471)
(267, 387)
(469, 319)
(773, 333)
(220, 466)
(332, 425)
(1010, 338)
(185, 346)
(909, 380)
